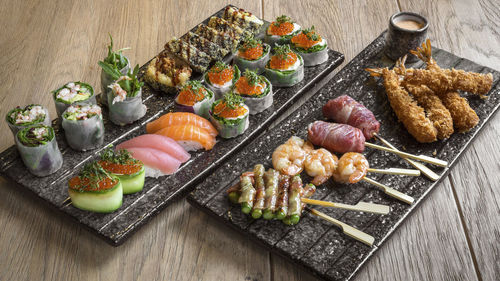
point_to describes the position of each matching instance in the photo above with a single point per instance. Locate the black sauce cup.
(399, 41)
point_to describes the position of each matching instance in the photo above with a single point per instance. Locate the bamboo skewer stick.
(423, 158)
(395, 171)
(426, 171)
(347, 229)
(390, 191)
(361, 206)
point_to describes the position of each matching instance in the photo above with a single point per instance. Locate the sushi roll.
(230, 115)
(38, 148)
(127, 169)
(167, 73)
(195, 98)
(95, 190)
(125, 100)
(73, 92)
(223, 40)
(281, 31)
(83, 126)
(116, 60)
(197, 60)
(243, 19)
(310, 46)
(256, 91)
(285, 68)
(228, 28)
(221, 77)
(252, 54)
(20, 118)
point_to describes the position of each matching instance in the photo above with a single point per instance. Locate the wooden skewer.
(426, 171)
(361, 206)
(423, 158)
(396, 171)
(66, 200)
(347, 229)
(390, 191)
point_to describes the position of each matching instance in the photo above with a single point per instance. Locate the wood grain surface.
(454, 235)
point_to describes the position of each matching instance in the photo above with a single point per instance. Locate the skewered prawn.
(321, 165)
(289, 158)
(352, 167)
(305, 145)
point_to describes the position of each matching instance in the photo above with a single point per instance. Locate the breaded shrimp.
(464, 117)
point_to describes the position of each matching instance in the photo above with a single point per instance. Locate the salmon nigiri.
(180, 118)
(159, 142)
(188, 136)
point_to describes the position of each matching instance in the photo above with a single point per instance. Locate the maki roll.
(243, 19)
(252, 54)
(38, 148)
(281, 31)
(285, 68)
(195, 98)
(83, 126)
(167, 73)
(230, 115)
(116, 60)
(310, 46)
(122, 165)
(221, 77)
(20, 118)
(95, 190)
(256, 91)
(73, 92)
(125, 99)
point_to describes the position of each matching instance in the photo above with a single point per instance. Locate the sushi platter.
(137, 111)
(333, 243)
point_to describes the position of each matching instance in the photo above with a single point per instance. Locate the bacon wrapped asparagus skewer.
(260, 188)
(247, 194)
(271, 179)
(282, 203)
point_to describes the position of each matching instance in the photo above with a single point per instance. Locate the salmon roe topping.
(251, 53)
(226, 112)
(302, 40)
(277, 61)
(122, 169)
(280, 29)
(220, 76)
(84, 184)
(188, 97)
(244, 87)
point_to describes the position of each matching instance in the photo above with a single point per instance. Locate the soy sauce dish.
(406, 32)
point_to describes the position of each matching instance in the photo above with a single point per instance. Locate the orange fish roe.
(226, 112)
(280, 29)
(188, 97)
(244, 87)
(78, 184)
(219, 76)
(120, 168)
(251, 53)
(301, 40)
(278, 63)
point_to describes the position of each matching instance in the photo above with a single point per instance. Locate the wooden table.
(454, 235)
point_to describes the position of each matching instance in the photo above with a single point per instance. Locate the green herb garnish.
(115, 59)
(218, 67)
(12, 115)
(282, 51)
(282, 19)
(132, 85)
(90, 177)
(195, 86)
(311, 33)
(28, 137)
(252, 77)
(232, 100)
(122, 156)
(249, 42)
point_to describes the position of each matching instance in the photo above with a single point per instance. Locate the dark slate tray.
(138, 209)
(318, 246)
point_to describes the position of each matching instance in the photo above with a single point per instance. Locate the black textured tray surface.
(318, 246)
(138, 208)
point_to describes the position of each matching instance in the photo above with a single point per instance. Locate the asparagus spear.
(260, 188)
(271, 178)
(284, 184)
(294, 203)
(234, 193)
(247, 194)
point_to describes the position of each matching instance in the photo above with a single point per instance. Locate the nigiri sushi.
(159, 142)
(157, 163)
(180, 118)
(190, 137)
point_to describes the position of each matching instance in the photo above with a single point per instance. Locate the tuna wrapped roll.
(122, 165)
(281, 31)
(83, 127)
(310, 46)
(38, 148)
(230, 116)
(195, 98)
(256, 91)
(252, 54)
(71, 93)
(221, 77)
(20, 118)
(285, 68)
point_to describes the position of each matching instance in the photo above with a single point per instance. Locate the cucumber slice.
(100, 201)
(132, 183)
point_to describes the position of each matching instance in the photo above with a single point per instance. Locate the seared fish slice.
(243, 19)
(204, 45)
(220, 38)
(197, 59)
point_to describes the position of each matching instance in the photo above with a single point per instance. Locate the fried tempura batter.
(464, 117)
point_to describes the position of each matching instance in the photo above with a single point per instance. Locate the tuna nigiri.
(180, 118)
(190, 137)
(156, 162)
(159, 142)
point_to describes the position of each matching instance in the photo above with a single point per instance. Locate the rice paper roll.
(230, 116)
(107, 79)
(127, 111)
(287, 77)
(83, 127)
(72, 93)
(225, 76)
(310, 46)
(256, 91)
(195, 98)
(38, 148)
(245, 57)
(20, 118)
(280, 31)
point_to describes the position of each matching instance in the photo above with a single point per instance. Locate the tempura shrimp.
(320, 164)
(351, 168)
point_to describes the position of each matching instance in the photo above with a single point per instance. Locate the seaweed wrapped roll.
(167, 73)
(221, 77)
(83, 126)
(281, 31)
(20, 118)
(310, 46)
(285, 68)
(230, 115)
(256, 91)
(73, 92)
(38, 148)
(195, 98)
(129, 170)
(252, 54)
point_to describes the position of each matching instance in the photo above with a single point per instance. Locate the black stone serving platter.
(139, 208)
(318, 246)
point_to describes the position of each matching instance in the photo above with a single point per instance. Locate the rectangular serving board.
(318, 246)
(139, 208)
